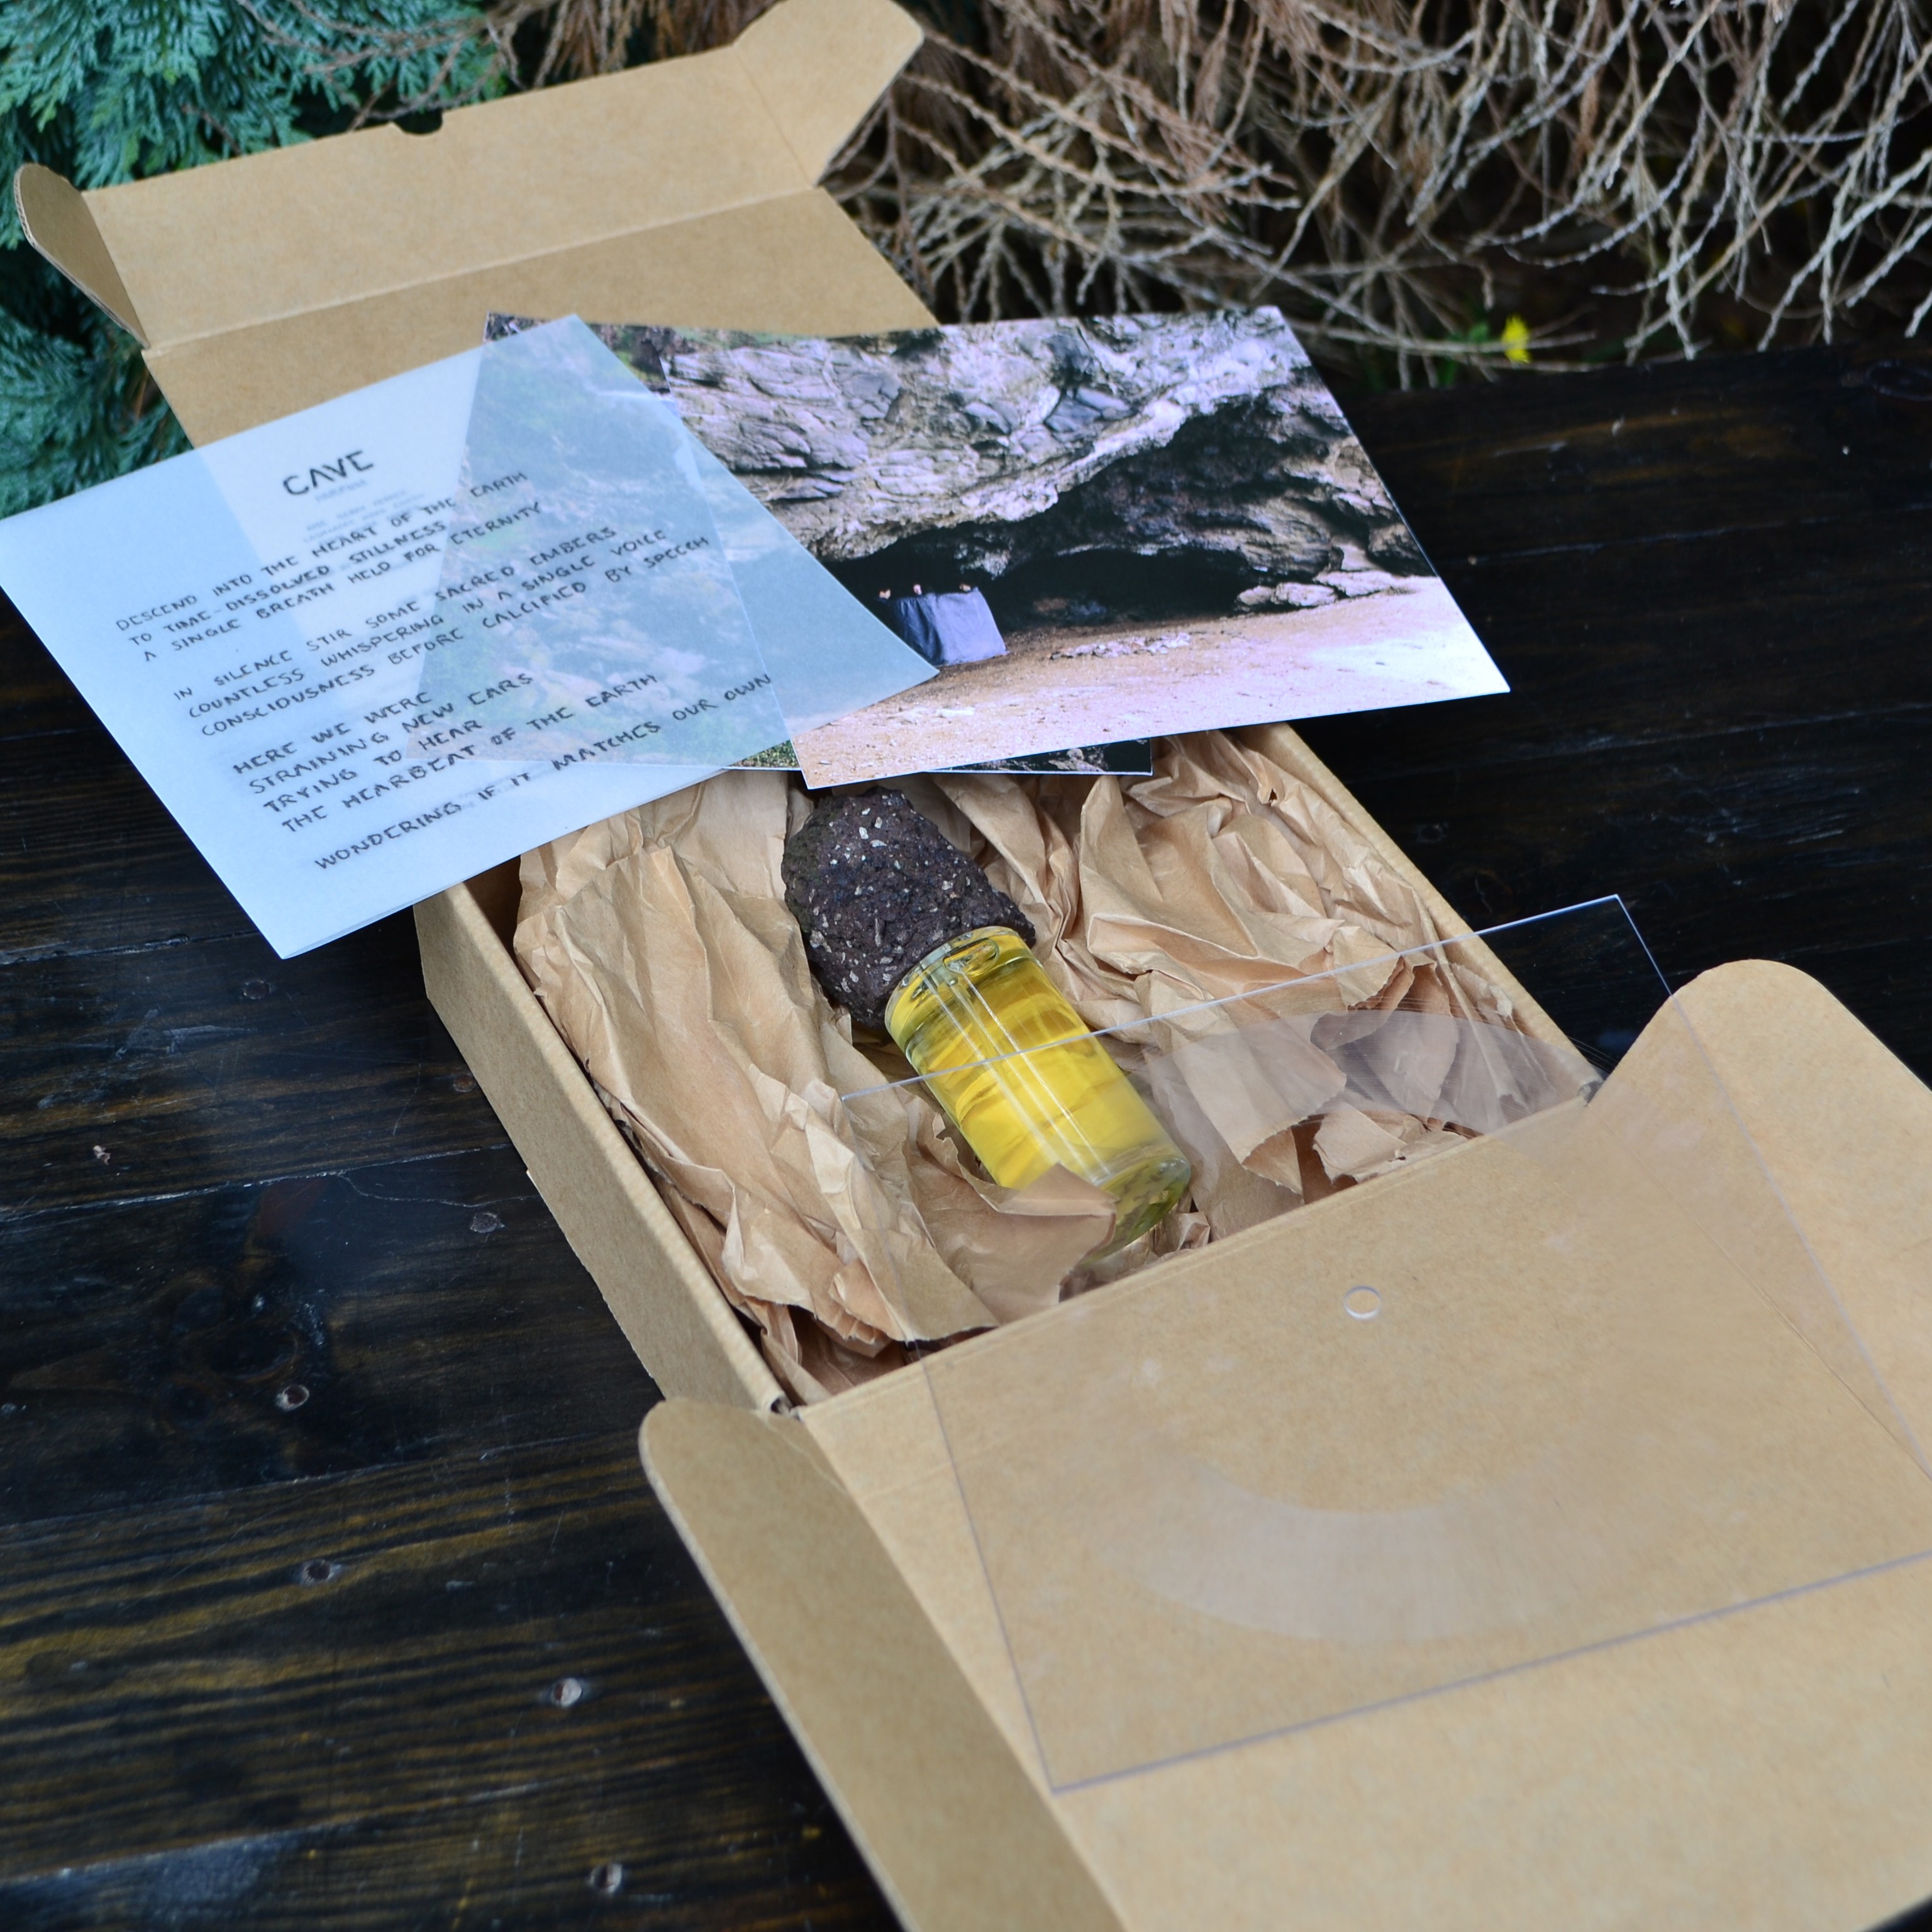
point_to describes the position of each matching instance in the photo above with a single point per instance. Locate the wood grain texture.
(1808, 837)
(35, 697)
(1657, 454)
(519, 1860)
(87, 862)
(224, 1177)
(263, 1333)
(309, 1672)
(1667, 642)
(125, 1074)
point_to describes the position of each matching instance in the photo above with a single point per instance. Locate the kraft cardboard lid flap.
(820, 65)
(1843, 1127)
(54, 216)
(1571, 1381)
(322, 224)
(959, 1838)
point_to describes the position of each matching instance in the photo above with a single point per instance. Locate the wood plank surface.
(106, 872)
(1630, 644)
(1657, 454)
(131, 1072)
(251, 1334)
(330, 1592)
(490, 1636)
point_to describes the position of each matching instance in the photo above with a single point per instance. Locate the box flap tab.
(1574, 1378)
(54, 217)
(819, 64)
(1843, 1125)
(509, 183)
(957, 1834)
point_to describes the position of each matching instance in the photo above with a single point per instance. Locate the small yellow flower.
(1516, 339)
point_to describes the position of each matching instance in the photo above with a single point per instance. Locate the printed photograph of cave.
(1097, 531)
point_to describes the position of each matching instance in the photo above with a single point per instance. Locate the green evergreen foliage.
(103, 94)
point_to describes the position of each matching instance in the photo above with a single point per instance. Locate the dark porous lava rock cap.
(875, 885)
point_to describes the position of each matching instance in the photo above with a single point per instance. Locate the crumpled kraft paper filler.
(850, 1230)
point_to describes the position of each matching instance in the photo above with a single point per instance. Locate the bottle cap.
(875, 886)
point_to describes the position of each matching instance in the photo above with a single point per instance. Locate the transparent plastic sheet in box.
(609, 590)
(1565, 1374)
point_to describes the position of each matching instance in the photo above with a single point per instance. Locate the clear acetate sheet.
(1566, 1375)
(367, 650)
(607, 590)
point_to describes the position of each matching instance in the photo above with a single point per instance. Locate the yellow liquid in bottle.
(1047, 1094)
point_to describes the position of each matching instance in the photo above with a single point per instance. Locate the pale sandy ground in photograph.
(1406, 644)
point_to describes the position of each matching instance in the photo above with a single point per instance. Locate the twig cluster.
(1654, 179)
(1645, 177)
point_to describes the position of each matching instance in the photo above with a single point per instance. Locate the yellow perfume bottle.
(1021, 1076)
(906, 933)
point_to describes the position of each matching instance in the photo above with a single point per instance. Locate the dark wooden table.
(330, 1592)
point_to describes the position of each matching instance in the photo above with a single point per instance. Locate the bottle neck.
(938, 978)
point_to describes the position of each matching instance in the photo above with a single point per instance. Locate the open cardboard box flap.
(1768, 1766)
(683, 191)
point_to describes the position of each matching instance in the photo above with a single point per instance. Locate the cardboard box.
(1767, 1767)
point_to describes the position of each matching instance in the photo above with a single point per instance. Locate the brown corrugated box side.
(1768, 1767)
